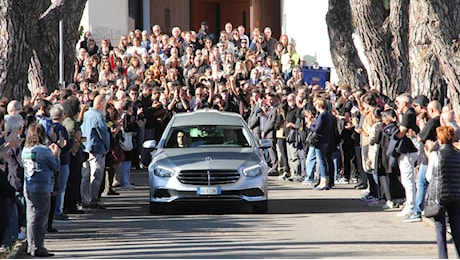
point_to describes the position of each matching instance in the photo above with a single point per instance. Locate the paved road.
(301, 223)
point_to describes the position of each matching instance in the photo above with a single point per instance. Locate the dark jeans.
(72, 192)
(349, 161)
(273, 155)
(284, 157)
(362, 174)
(38, 213)
(453, 211)
(149, 134)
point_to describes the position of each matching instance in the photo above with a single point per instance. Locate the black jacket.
(445, 184)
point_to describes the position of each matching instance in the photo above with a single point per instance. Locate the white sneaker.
(404, 213)
(389, 205)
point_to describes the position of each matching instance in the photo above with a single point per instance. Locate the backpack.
(126, 141)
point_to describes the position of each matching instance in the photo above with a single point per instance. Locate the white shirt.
(433, 164)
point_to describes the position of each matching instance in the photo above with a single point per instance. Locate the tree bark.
(15, 52)
(426, 75)
(348, 65)
(384, 37)
(442, 29)
(29, 49)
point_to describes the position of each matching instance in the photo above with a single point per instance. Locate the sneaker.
(414, 217)
(84, 206)
(404, 213)
(61, 216)
(112, 192)
(342, 181)
(272, 172)
(284, 176)
(374, 202)
(389, 205)
(97, 206)
(42, 253)
(367, 198)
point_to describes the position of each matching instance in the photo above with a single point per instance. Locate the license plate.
(208, 191)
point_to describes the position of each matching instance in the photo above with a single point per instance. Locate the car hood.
(204, 159)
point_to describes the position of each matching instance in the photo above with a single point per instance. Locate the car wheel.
(157, 207)
(260, 206)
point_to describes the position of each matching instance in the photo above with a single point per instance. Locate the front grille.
(212, 177)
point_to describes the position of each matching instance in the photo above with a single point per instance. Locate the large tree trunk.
(45, 63)
(384, 37)
(426, 75)
(443, 28)
(15, 53)
(29, 50)
(349, 67)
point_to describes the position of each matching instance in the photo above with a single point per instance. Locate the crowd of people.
(320, 136)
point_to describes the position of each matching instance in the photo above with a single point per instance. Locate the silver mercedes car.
(207, 156)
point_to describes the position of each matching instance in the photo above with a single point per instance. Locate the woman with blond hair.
(323, 126)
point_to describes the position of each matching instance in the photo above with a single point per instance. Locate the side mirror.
(149, 144)
(265, 144)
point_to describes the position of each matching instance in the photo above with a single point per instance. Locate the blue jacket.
(39, 167)
(324, 126)
(94, 128)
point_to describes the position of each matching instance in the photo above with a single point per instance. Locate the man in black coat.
(269, 132)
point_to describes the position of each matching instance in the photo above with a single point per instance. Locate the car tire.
(260, 206)
(157, 207)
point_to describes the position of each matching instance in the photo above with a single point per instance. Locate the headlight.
(162, 171)
(252, 171)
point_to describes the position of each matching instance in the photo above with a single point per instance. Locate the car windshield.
(208, 136)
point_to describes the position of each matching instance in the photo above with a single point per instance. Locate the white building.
(304, 21)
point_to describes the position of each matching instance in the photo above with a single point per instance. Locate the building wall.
(106, 21)
(169, 14)
(304, 21)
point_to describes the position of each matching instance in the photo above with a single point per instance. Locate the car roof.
(207, 117)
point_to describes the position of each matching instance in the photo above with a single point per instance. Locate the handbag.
(433, 208)
(312, 138)
(118, 154)
(126, 141)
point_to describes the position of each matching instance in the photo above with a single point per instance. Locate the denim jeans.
(64, 172)
(310, 165)
(125, 173)
(11, 233)
(303, 164)
(422, 185)
(453, 210)
(38, 208)
(336, 159)
(320, 153)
